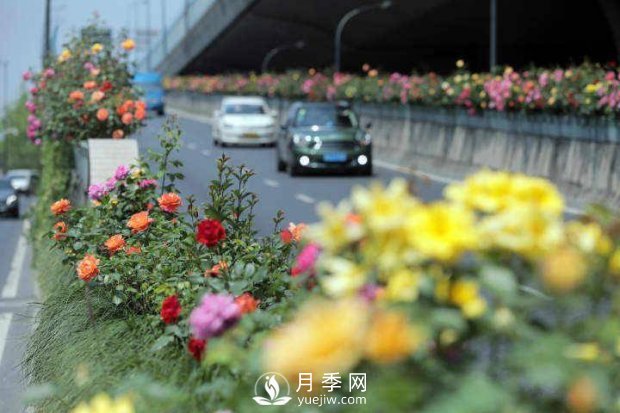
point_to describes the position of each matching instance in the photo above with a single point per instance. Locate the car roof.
(20, 172)
(338, 103)
(241, 100)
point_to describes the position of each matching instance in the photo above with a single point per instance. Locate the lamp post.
(273, 52)
(493, 35)
(343, 22)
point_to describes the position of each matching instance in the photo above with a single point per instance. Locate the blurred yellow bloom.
(64, 55)
(503, 318)
(466, 295)
(536, 192)
(448, 337)
(337, 228)
(460, 63)
(325, 336)
(584, 351)
(563, 270)
(391, 338)
(442, 290)
(592, 88)
(102, 403)
(96, 48)
(128, 44)
(345, 277)
(614, 263)
(442, 231)
(403, 285)
(588, 237)
(526, 230)
(383, 209)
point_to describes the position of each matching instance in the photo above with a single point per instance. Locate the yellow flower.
(403, 285)
(383, 209)
(585, 351)
(391, 338)
(466, 295)
(536, 192)
(337, 228)
(525, 230)
(102, 403)
(442, 231)
(345, 277)
(564, 270)
(325, 336)
(64, 55)
(588, 237)
(96, 48)
(614, 263)
(592, 88)
(136, 172)
(128, 44)
(460, 63)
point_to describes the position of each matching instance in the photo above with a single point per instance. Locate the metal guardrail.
(173, 35)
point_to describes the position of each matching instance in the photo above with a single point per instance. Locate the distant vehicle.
(324, 137)
(9, 198)
(23, 180)
(151, 84)
(244, 120)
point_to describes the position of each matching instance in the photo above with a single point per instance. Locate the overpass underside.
(426, 35)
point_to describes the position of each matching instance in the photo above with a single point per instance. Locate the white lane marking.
(5, 323)
(271, 183)
(377, 162)
(17, 264)
(304, 198)
(192, 116)
(191, 146)
(205, 152)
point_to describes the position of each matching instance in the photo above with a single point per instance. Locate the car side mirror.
(368, 125)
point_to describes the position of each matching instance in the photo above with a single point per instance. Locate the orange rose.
(103, 114)
(87, 269)
(97, 96)
(91, 84)
(133, 250)
(140, 104)
(76, 95)
(127, 118)
(216, 269)
(118, 134)
(297, 230)
(247, 303)
(169, 202)
(139, 222)
(128, 44)
(60, 207)
(115, 243)
(60, 228)
(140, 114)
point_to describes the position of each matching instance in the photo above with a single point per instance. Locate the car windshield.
(244, 109)
(16, 175)
(5, 184)
(326, 116)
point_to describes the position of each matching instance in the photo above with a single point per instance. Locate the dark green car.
(323, 137)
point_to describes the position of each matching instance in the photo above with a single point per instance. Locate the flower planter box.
(96, 160)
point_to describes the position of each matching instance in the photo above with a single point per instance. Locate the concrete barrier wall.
(581, 156)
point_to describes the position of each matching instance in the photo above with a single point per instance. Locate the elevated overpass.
(234, 35)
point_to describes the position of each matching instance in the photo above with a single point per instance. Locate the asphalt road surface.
(17, 295)
(296, 196)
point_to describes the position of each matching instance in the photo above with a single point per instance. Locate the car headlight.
(11, 199)
(302, 140)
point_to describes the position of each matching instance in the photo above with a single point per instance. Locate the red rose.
(210, 232)
(105, 86)
(170, 309)
(286, 236)
(196, 347)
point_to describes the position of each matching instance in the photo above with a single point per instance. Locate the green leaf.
(161, 342)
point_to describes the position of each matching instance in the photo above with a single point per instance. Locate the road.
(296, 196)
(17, 295)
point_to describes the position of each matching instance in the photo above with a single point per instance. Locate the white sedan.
(244, 120)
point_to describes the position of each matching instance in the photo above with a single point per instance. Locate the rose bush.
(587, 89)
(86, 92)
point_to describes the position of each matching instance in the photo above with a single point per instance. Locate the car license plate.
(335, 157)
(250, 135)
